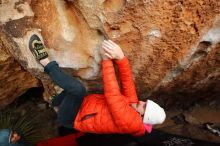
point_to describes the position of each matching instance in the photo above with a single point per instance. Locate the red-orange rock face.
(173, 46)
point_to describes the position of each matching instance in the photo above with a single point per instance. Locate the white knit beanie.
(154, 114)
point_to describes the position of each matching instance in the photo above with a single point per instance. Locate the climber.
(9, 138)
(111, 112)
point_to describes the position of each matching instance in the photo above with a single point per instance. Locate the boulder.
(173, 46)
(14, 79)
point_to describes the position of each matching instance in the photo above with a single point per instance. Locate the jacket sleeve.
(126, 78)
(124, 116)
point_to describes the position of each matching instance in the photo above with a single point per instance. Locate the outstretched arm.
(128, 87)
(122, 114)
(111, 87)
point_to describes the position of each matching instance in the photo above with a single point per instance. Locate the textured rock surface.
(173, 45)
(14, 80)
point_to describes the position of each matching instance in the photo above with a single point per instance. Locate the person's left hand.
(112, 50)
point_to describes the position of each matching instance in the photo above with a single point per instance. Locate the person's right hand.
(103, 54)
(112, 50)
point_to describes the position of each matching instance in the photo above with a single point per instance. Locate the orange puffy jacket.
(111, 112)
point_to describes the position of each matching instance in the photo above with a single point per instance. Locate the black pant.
(70, 99)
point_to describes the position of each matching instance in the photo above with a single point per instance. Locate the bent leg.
(57, 100)
(64, 80)
(68, 110)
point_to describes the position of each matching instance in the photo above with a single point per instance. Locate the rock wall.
(173, 45)
(14, 80)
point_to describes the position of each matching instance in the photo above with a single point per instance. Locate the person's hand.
(103, 54)
(112, 50)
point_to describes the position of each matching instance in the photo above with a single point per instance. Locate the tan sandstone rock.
(173, 45)
(14, 80)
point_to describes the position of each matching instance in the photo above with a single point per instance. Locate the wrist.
(105, 58)
(121, 57)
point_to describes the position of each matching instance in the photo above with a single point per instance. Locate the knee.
(82, 91)
(78, 90)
